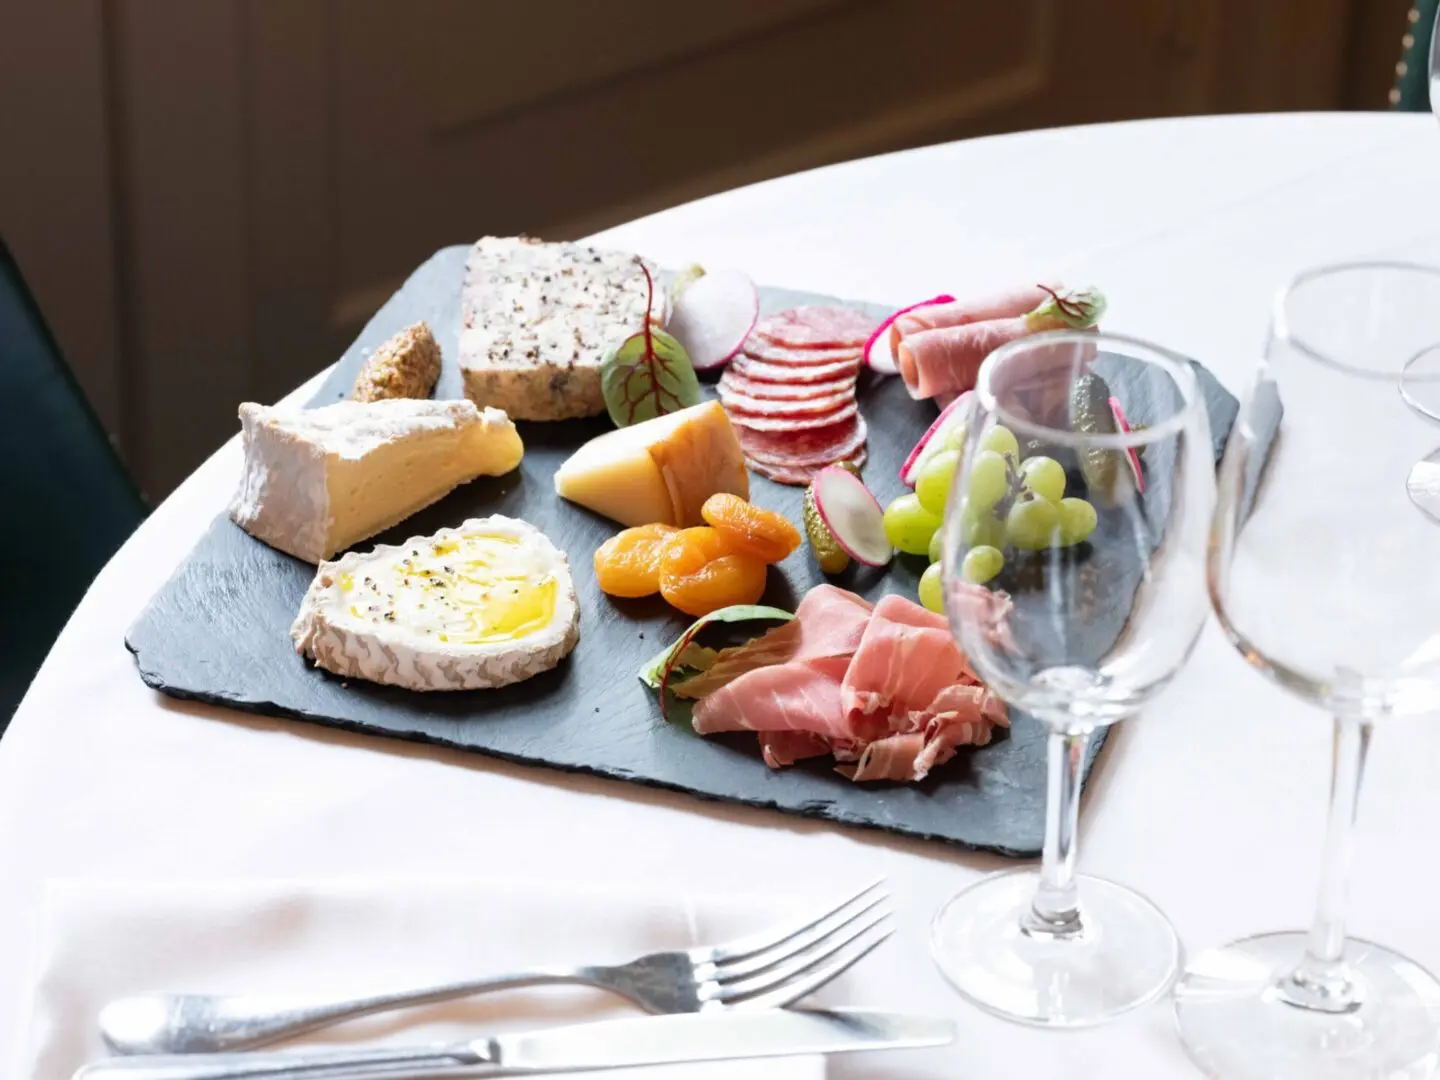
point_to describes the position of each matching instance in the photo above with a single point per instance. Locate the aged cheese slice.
(317, 481)
(485, 604)
(536, 319)
(661, 470)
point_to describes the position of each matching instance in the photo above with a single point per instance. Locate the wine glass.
(1098, 604)
(1420, 386)
(1327, 580)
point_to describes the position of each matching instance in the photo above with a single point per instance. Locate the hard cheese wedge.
(661, 470)
(317, 481)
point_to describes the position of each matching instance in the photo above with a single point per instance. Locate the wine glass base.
(1126, 956)
(1235, 1024)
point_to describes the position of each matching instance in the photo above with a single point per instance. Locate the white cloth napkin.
(100, 940)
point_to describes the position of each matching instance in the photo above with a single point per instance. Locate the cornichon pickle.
(828, 553)
(1091, 415)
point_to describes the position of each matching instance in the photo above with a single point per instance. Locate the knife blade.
(610, 1044)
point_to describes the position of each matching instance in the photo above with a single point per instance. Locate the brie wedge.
(317, 481)
(488, 603)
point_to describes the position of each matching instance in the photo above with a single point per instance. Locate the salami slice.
(816, 446)
(741, 406)
(801, 475)
(734, 383)
(793, 373)
(793, 423)
(758, 348)
(816, 326)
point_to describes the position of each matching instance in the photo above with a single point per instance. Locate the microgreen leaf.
(648, 374)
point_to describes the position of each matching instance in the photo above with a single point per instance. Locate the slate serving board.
(218, 631)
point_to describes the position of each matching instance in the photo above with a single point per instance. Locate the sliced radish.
(1130, 454)
(852, 515)
(713, 317)
(878, 353)
(951, 417)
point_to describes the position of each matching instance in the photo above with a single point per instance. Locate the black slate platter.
(218, 631)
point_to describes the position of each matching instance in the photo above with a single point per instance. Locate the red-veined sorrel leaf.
(648, 374)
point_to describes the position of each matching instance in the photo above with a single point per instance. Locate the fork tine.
(737, 950)
(787, 993)
(798, 943)
(798, 966)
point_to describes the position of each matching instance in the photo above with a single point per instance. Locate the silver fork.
(766, 971)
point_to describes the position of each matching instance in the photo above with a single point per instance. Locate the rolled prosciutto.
(940, 348)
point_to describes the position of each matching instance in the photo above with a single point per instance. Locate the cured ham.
(939, 348)
(1003, 305)
(906, 658)
(829, 622)
(802, 695)
(886, 690)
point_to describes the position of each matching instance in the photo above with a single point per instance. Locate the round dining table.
(1212, 802)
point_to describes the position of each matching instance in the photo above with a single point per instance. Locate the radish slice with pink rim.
(878, 353)
(934, 437)
(853, 515)
(1130, 454)
(714, 316)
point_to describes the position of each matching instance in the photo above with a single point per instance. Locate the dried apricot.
(754, 530)
(730, 579)
(628, 564)
(687, 550)
(702, 570)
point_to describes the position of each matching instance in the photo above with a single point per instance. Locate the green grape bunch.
(1012, 503)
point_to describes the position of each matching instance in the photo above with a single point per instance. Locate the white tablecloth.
(1212, 804)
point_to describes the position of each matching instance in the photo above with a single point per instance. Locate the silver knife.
(610, 1044)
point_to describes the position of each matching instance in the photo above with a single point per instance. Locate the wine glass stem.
(1055, 910)
(1323, 980)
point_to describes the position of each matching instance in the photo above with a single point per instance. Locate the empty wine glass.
(1327, 580)
(1420, 386)
(1097, 606)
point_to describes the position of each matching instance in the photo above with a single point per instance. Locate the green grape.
(932, 486)
(982, 529)
(1032, 523)
(989, 480)
(1001, 440)
(932, 593)
(1077, 521)
(981, 564)
(954, 438)
(1044, 476)
(937, 543)
(909, 526)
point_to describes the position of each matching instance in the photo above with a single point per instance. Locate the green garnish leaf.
(1074, 309)
(648, 375)
(681, 655)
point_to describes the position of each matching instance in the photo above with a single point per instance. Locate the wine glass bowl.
(1326, 580)
(1420, 387)
(1100, 606)
(1316, 574)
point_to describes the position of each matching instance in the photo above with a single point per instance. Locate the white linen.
(337, 939)
(1212, 804)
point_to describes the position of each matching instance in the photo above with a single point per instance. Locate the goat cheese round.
(487, 603)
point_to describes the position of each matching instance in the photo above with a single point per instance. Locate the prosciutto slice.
(905, 659)
(885, 689)
(803, 695)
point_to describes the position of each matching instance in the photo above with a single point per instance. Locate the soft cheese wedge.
(317, 481)
(661, 470)
(488, 603)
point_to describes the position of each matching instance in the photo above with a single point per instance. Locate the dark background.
(210, 197)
